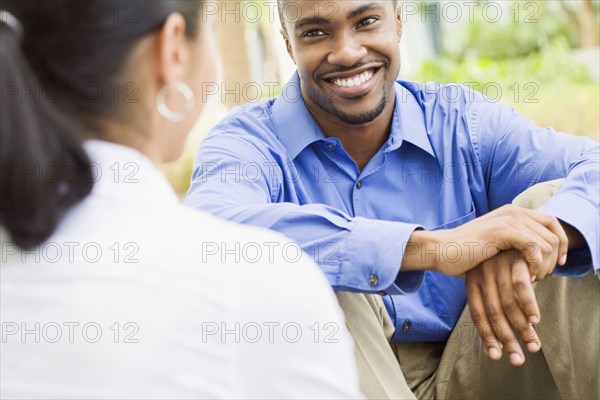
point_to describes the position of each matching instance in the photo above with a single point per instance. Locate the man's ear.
(288, 46)
(399, 25)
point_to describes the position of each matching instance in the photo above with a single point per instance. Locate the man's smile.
(353, 84)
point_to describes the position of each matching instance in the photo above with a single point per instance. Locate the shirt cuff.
(376, 247)
(583, 216)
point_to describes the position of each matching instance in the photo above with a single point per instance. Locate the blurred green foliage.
(550, 65)
(528, 27)
(526, 65)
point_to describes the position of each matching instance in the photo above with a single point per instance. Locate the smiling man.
(350, 93)
(398, 190)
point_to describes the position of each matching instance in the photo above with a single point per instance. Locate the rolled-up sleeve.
(516, 154)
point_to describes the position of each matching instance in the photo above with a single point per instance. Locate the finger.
(524, 291)
(496, 315)
(491, 344)
(549, 222)
(504, 279)
(514, 310)
(533, 247)
(553, 225)
(526, 296)
(548, 247)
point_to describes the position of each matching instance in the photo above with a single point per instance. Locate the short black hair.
(282, 17)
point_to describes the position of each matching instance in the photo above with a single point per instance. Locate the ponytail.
(44, 169)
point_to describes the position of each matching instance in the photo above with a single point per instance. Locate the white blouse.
(135, 296)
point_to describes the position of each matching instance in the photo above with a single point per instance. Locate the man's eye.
(314, 33)
(368, 21)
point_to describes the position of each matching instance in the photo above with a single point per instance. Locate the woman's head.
(130, 72)
(107, 61)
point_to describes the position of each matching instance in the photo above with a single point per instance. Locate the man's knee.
(537, 195)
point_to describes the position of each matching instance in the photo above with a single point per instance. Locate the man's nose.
(347, 52)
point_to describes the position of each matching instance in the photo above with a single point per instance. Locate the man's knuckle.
(520, 283)
(477, 317)
(554, 241)
(493, 313)
(547, 248)
(504, 286)
(509, 305)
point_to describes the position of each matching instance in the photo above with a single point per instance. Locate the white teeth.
(354, 80)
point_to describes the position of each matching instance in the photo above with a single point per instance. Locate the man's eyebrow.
(362, 9)
(316, 20)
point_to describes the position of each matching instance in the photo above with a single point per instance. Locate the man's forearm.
(416, 257)
(538, 236)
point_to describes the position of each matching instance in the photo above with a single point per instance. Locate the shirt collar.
(125, 173)
(296, 129)
(408, 121)
(295, 126)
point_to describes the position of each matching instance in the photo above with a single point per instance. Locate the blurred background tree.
(541, 57)
(585, 21)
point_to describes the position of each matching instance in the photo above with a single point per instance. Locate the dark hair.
(65, 47)
(280, 8)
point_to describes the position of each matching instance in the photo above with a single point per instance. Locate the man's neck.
(363, 141)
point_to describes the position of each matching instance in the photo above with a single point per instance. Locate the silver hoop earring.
(165, 111)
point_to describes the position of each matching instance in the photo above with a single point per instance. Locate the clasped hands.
(500, 255)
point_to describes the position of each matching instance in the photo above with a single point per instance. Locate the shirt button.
(359, 184)
(406, 327)
(331, 146)
(373, 280)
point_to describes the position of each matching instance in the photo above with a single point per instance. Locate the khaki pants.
(567, 367)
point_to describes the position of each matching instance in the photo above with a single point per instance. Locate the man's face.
(347, 54)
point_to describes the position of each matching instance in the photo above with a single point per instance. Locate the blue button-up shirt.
(452, 155)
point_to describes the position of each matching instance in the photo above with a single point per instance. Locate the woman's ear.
(173, 50)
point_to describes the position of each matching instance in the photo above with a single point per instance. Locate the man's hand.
(502, 253)
(538, 236)
(502, 302)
